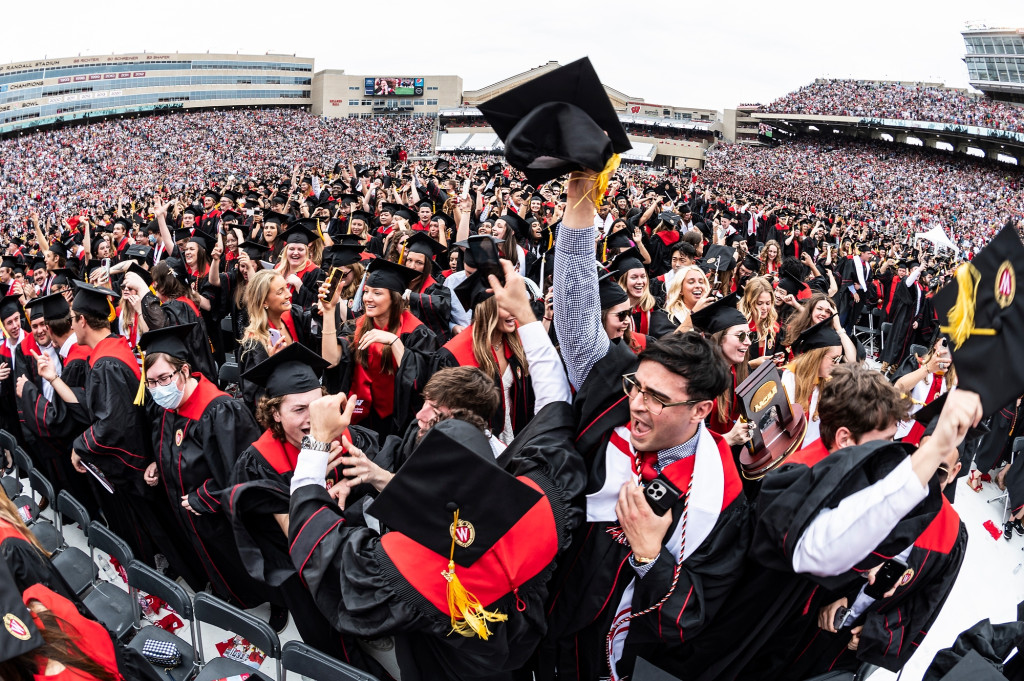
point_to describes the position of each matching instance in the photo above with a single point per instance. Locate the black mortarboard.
(231, 196)
(9, 261)
(452, 469)
(987, 351)
(142, 272)
(390, 208)
(791, 285)
(558, 122)
(670, 217)
(9, 305)
(971, 667)
(125, 223)
(38, 263)
(177, 267)
(19, 634)
(94, 300)
(609, 291)
(441, 165)
(719, 315)
(626, 261)
(212, 194)
(183, 234)
(203, 240)
(821, 335)
(170, 340)
(473, 290)
(340, 255)
(138, 252)
(62, 277)
(59, 249)
(928, 414)
(230, 216)
(293, 370)
(718, 258)
(515, 223)
(254, 250)
(448, 220)
(406, 214)
(420, 242)
(51, 307)
(300, 233)
(751, 263)
(366, 218)
(480, 250)
(619, 239)
(275, 218)
(194, 210)
(385, 274)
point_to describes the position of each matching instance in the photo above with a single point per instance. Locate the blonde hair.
(485, 323)
(647, 301)
(805, 369)
(675, 306)
(349, 292)
(256, 292)
(748, 306)
(764, 253)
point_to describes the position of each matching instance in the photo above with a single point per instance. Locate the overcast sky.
(708, 54)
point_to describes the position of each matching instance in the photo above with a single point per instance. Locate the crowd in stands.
(873, 99)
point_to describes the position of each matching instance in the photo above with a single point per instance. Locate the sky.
(708, 55)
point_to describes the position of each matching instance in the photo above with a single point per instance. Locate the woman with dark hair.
(175, 304)
(391, 351)
(505, 230)
(198, 433)
(615, 315)
(429, 301)
(648, 318)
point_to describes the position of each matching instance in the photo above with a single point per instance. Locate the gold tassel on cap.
(401, 254)
(605, 176)
(140, 394)
(469, 617)
(961, 315)
(113, 313)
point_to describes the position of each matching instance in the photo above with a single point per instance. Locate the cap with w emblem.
(983, 315)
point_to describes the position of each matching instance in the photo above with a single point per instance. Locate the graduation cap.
(420, 242)
(302, 232)
(170, 340)
(340, 255)
(984, 318)
(481, 250)
(518, 225)
(138, 252)
(203, 240)
(718, 258)
(59, 249)
(441, 165)
(670, 217)
(125, 223)
(212, 194)
(609, 291)
(9, 261)
(559, 122)
(19, 634)
(95, 300)
(443, 498)
(362, 215)
(626, 261)
(231, 196)
(230, 216)
(719, 315)
(183, 234)
(142, 272)
(385, 274)
(9, 305)
(254, 250)
(406, 214)
(793, 286)
(619, 239)
(38, 263)
(293, 370)
(391, 208)
(272, 217)
(52, 307)
(928, 416)
(177, 268)
(752, 263)
(62, 277)
(448, 220)
(194, 210)
(821, 335)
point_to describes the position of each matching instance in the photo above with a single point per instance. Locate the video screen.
(384, 87)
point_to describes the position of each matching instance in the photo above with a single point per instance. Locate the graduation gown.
(196, 446)
(27, 564)
(432, 305)
(596, 584)
(183, 311)
(259, 489)
(459, 352)
(390, 400)
(894, 627)
(768, 615)
(654, 322)
(312, 277)
(378, 586)
(903, 314)
(299, 324)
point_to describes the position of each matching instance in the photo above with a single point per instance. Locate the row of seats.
(119, 610)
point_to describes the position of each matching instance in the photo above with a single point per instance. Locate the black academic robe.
(196, 446)
(28, 565)
(375, 586)
(259, 489)
(183, 311)
(595, 574)
(654, 322)
(307, 294)
(764, 620)
(848, 278)
(432, 305)
(894, 627)
(299, 324)
(117, 442)
(459, 352)
(903, 314)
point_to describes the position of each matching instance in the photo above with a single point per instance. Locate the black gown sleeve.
(229, 428)
(249, 355)
(433, 307)
(413, 373)
(28, 566)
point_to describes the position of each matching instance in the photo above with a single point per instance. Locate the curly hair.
(859, 399)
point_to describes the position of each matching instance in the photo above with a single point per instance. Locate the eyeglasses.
(943, 470)
(838, 359)
(163, 380)
(622, 315)
(744, 336)
(651, 403)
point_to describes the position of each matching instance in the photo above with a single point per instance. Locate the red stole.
(809, 455)
(188, 301)
(891, 294)
(289, 323)
(116, 347)
(943, 531)
(199, 400)
(428, 281)
(371, 384)
(644, 320)
(917, 430)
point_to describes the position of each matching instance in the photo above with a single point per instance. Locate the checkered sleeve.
(581, 335)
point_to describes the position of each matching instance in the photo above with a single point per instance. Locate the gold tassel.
(469, 617)
(401, 255)
(604, 251)
(113, 313)
(152, 290)
(961, 315)
(601, 186)
(319, 231)
(140, 394)
(551, 239)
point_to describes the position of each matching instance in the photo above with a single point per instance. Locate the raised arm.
(581, 336)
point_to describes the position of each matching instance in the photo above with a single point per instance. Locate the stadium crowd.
(460, 425)
(887, 99)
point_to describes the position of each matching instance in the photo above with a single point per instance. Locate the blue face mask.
(167, 396)
(152, 239)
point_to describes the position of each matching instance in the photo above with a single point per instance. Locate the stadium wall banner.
(945, 127)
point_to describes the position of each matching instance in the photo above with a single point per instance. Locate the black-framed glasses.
(744, 336)
(163, 380)
(653, 404)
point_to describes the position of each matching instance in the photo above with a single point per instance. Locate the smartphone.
(333, 280)
(661, 495)
(275, 337)
(840, 617)
(106, 267)
(886, 578)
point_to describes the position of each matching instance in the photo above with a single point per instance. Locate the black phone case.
(661, 495)
(886, 578)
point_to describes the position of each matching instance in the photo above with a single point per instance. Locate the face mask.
(152, 239)
(167, 396)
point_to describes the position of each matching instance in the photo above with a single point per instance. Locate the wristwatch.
(640, 560)
(317, 446)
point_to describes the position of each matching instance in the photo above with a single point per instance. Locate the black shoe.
(1007, 530)
(278, 618)
(1018, 527)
